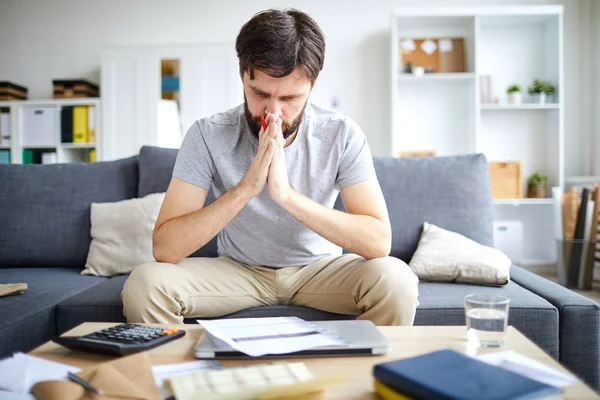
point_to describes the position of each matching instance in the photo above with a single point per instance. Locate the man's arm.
(184, 224)
(364, 229)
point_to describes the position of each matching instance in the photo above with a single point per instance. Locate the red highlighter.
(264, 124)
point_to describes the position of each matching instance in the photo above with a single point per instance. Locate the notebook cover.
(447, 375)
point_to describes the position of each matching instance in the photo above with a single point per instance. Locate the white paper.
(163, 372)
(279, 335)
(21, 371)
(429, 47)
(528, 367)
(408, 45)
(15, 396)
(445, 45)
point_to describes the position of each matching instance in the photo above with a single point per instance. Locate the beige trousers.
(383, 290)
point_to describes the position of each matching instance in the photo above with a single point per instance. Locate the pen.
(264, 124)
(85, 384)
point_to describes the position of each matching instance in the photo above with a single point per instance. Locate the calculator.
(121, 340)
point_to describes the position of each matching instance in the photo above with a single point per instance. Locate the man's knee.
(140, 286)
(394, 276)
(146, 276)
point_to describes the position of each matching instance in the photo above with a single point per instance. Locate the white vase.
(539, 98)
(515, 98)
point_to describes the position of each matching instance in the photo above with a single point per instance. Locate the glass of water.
(487, 317)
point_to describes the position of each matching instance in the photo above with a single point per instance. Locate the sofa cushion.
(156, 169)
(122, 235)
(450, 192)
(45, 209)
(444, 256)
(27, 320)
(533, 316)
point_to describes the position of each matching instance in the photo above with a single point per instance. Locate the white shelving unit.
(445, 112)
(65, 152)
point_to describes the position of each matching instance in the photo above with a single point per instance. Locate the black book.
(577, 252)
(66, 125)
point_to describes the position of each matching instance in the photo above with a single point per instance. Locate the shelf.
(38, 147)
(499, 107)
(78, 145)
(522, 202)
(457, 76)
(52, 102)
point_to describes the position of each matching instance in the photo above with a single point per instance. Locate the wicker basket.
(537, 191)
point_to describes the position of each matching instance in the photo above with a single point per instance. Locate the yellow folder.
(80, 124)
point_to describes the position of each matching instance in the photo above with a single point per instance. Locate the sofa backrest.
(451, 192)
(156, 169)
(45, 209)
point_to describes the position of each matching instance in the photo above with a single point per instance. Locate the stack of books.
(447, 374)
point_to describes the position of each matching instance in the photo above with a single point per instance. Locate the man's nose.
(273, 107)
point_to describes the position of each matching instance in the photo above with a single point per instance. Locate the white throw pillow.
(445, 256)
(122, 235)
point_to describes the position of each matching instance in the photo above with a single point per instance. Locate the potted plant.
(514, 94)
(539, 89)
(537, 186)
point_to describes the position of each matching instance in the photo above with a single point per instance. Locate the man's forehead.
(295, 83)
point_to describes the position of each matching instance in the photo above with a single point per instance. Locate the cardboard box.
(68, 89)
(505, 179)
(12, 91)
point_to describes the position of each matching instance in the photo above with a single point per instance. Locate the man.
(279, 238)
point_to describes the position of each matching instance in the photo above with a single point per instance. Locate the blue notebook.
(447, 374)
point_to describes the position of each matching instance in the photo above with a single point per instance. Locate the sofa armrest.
(579, 324)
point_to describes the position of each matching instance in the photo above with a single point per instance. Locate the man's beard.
(256, 125)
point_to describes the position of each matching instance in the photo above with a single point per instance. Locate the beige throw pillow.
(122, 235)
(445, 256)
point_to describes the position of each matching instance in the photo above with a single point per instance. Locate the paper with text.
(279, 335)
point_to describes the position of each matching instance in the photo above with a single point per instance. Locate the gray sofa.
(45, 236)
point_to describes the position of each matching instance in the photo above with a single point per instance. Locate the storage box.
(39, 126)
(67, 89)
(505, 179)
(12, 91)
(508, 238)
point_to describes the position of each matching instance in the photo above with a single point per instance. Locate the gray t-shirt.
(329, 153)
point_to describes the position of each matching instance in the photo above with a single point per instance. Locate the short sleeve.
(356, 162)
(194, 163)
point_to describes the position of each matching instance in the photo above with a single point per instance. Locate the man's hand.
(256, 176)
(279, 185)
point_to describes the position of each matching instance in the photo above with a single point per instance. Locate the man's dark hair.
(278, 41)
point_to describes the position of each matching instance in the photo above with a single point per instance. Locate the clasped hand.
(269, 166)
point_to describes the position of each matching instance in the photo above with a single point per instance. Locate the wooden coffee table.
(405, 342)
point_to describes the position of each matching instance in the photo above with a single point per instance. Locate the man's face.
(285, 97)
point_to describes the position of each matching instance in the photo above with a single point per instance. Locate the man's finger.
(268, 156)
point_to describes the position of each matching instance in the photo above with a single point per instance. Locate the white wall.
(44, 40)
(595, 101)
